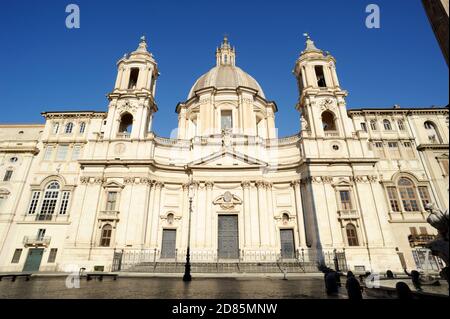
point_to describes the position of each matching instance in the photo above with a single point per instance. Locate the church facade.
(86, 185)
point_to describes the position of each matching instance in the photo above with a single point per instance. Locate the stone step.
(222, 267)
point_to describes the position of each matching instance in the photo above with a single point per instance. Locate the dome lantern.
(226, 55)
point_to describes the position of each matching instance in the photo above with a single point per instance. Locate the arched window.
(408, 195)
(373, 125)
(126, 124)
(69, 128)
(352, 235)
(105, 239)
(328, 122)
(401, 125)
(433, 136)
(82, 127)
(387, 125)
(49, 201)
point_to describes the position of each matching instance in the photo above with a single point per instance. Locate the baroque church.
(101, 190)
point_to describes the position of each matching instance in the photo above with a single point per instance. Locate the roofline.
(409, 109)
(21, 125)
(73, 112)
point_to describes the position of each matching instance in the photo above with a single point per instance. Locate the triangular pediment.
(228, 158)
(113, 184)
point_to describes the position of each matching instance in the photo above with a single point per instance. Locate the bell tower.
(322, 100)
(132, 101)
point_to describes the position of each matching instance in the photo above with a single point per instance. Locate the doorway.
(228, 237)
(33, 261)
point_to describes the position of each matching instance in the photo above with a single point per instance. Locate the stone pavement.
(169, 288)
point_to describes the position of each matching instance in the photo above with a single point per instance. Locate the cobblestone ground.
(168, 288)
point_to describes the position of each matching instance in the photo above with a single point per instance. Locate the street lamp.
(187, 266)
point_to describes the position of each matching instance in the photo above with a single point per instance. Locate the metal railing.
(37, 240)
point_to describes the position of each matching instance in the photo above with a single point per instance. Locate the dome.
(226, 76)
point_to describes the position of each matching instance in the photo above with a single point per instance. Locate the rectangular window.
(320, 76)
(394, 150)
(111, 201)
(409, 150)
(423, 230)
(393, 199)
(76, 153)
(48, 153)
(64, 203)
(413, 232)
(16, 256)
(48, 205)
(40, 234)
(379, 150)
(8, 175)
(55, 128)
(52, 255)
(34, 202)
(346, 203)
(62, 152)
(364, 126)
(226, 120)
(444, 166)
(409, 199)
(424, 195)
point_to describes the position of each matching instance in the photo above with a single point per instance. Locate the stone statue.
(304, 123)
(439, 220)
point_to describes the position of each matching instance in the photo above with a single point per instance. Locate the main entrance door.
(33, 260)
(168, 243)
(287, 243)
(228, 237)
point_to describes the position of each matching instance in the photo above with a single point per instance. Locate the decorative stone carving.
(119, 148)
(327, 104)
(127, 106)
(304, 123)
(246, 184)
(84, 179)
(209, 185)
(99, 180)
(128, 180)
(227, 201)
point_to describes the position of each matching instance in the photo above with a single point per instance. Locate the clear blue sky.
(47, 67)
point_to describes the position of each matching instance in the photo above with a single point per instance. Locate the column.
(150, 210)
(270, 219)
(264, 240)
(185, 218)
(207, 240)
(155, 215)
(254, 217)
(300, 216)
(145, 220)
(247, 217)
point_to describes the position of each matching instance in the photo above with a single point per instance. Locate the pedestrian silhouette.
(403, 291)
(354, 290)
(389, 274)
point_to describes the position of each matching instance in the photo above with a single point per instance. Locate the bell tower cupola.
(132, 101)
(321, 100)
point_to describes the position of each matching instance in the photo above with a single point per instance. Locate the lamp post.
(187, 267)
